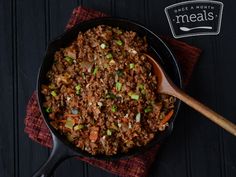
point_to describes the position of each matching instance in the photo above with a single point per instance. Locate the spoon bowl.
(183, 28)
(166, 86)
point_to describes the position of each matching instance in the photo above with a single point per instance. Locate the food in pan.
(102, 94)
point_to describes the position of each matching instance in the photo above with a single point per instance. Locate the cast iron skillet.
(62, 149)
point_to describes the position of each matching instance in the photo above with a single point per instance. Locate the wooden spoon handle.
(210, 114)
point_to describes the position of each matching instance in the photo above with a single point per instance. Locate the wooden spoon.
(166, 86)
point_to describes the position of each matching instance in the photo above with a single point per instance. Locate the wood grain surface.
(197, 147)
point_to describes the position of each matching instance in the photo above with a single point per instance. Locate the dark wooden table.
(197, 147)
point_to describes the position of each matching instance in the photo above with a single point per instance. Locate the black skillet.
(62, 149)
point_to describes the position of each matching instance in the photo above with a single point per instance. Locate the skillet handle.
(59, 154)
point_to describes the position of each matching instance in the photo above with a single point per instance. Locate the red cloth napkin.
(137, 166)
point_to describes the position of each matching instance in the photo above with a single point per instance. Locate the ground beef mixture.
(102, 94)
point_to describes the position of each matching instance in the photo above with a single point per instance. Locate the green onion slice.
(133, 96)
(95, 71)
(119, 32)
(78, 127)
(109, 132)
(69, 59)
(131, 65)
(141, 86)
(148, 109)
(54, 93)
(109, 56)
(113, 108)
(51, 86)
(49, 110)
(119, 42)
(78, 88)
(69, 123)
(118, 86)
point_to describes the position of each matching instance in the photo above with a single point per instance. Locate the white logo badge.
(194, 18)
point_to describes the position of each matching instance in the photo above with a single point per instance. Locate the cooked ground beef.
(102, 94)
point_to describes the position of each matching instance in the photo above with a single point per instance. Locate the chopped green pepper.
(113, 108)
(119, 42)
(118, 86)
(69, 59)
(109, 132)
(54, 93)
(131, 65)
